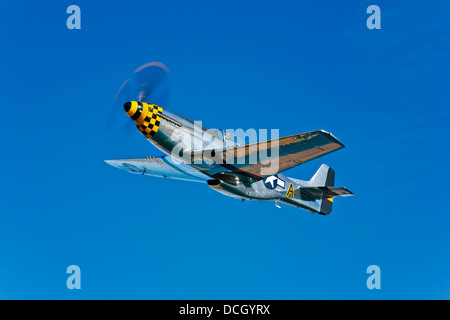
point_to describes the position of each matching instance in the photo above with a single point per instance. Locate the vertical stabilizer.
(324, 177)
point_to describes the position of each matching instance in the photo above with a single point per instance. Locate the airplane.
(230, 166)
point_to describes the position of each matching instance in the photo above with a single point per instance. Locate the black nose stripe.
(138, 112)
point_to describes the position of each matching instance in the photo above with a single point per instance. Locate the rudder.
(324, 177)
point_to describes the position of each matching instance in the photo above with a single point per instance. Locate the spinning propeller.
(150, 84)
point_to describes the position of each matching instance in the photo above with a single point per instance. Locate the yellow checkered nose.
(147, 116)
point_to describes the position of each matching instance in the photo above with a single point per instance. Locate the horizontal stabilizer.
(314, 193)
(336, 191)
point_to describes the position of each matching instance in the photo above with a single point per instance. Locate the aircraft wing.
(164, 167)
(292, 151)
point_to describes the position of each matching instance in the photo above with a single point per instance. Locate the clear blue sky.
(383, 93)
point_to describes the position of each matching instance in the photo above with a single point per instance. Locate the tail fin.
(324, 177)
(322, 188)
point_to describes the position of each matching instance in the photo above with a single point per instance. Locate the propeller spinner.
(147, 116)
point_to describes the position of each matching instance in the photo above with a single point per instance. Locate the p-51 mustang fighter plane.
(231, 167)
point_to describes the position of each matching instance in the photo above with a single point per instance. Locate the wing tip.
(111, 162)
(333, 137)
